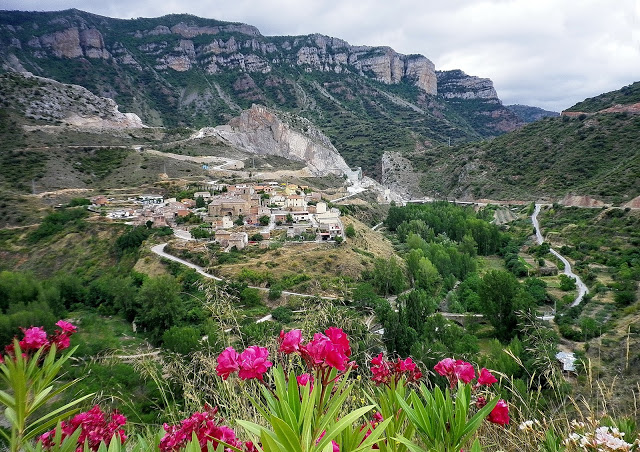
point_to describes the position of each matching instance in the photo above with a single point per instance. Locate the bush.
(275, 291)
(251, 296)
(181, 339)
(350, 231)
(282, 314)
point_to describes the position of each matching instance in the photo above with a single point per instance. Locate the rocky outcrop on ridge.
(48, 100)
(457, 84)
(261, 131)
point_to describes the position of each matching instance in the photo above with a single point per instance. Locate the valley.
(178, 186)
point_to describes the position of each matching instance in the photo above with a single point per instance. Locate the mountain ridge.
(181, 70)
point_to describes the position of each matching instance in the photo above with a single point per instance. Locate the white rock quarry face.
(260, 131)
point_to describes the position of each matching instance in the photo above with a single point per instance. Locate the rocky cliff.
(47, 100)
(188, 44)
(186, 71)
(457, 84)
(261, 131)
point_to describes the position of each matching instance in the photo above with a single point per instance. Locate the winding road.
(582, 287)
(159, 250)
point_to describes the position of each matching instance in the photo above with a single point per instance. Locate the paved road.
(159, 250)
(582, 287)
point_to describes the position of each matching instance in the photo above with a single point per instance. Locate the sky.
(545, 53)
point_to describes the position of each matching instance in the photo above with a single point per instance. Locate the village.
(234, 215)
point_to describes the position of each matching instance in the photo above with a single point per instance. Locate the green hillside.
(627, 95)
(598, 156)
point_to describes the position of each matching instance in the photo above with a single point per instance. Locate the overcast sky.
(546, 53)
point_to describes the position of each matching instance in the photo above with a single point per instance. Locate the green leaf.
(286, 435)
(341, 424)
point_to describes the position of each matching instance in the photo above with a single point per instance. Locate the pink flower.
(455, 370)
(96, 427)
(486, 378)
(445, 367)
(500, 413)
(253, 362)
(61, 341)
(339, 339)
(34, 338)
(228, 363)
(290, 342)
(406, 365)
(66, 327)
(205, 427)
(464, 371)
(380, 370)
(305, 379)
(481, 401)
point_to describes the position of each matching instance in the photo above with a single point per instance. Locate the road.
(159, 250)
(581, 286)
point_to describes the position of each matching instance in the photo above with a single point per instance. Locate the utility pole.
(449, 141)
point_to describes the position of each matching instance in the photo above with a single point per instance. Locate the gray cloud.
(547, 53)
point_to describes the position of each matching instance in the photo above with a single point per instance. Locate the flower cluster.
(96, 427)
(590, 437)
(36, 338)
(328, 350)
(388, 372)
(207, 430)
(458, 370)
(251, 363)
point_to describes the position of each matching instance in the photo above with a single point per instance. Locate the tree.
(250, 296)
(160, 306)
(499, 292)
(350, 231)
(200, 202)
(289, 218)
(388, 276)
(239, 221)
(264, 220)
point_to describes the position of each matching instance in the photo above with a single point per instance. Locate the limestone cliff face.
(190, 45)
(260, 131)
(73, 43)
(457, 84)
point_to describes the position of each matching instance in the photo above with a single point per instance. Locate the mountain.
(531, 114)
(182, 70)
(594, 154)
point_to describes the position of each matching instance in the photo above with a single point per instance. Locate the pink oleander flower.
(406, 365)
(228, 363)
(500, 413)
(455, 370)
(445, 367)
(96, 427)
(207, 430)
(66, 327)
(331, 350)
(464, 371)
(34, 338)
(290, 342)
(481, 401)
(305, 379)
(339, 339)
(254, 363)
(486, 378)
(380, 370)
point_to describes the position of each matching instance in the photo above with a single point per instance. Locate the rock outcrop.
(72, 43)
(261, 131)
(61, 104)
(222, 47)
(457, 84)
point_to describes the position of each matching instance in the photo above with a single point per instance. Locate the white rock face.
(260, 131)
(457, 84)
